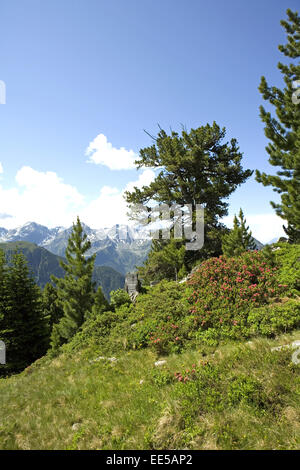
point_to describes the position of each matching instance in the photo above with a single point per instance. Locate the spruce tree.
(76, 289)
(23, 327)
(239, 238)
(100, 303)
(3, 290)
(284, 131)
(52, 307)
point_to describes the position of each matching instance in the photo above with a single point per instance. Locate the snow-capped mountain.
(31, 232)
(119, 247)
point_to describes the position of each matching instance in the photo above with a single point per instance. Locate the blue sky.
(78, 69)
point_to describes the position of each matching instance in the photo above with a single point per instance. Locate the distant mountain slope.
(43, 264)
(259, 245)
(116, 247)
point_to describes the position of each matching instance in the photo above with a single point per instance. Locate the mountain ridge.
(117, 247)
(43, 264)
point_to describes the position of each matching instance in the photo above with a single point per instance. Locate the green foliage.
(226, 289)
(283, 132)
(100, 304)
(274, 319)
(227, 298)
(288, 259)
(52, 308)
(94, 332)
(23, 325)
(239, 239)
(44, 264)
(119, 297)
(76, 289)
(196, 167)
(165, 261)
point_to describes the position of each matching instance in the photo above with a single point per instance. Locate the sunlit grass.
(72, 403)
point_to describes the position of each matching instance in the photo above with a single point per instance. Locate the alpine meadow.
(150, 287)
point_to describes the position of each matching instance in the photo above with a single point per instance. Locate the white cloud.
(101, 152)
(41, 197)
(264, 227)
(110, 207)
(44, 197)
(1, 168)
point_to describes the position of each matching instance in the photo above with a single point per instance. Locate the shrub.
(226, 289)
(119, 297)
(157, 319)
(288, 259)
(274, 319)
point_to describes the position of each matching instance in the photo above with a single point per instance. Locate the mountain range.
(43, 264)
(117, 247)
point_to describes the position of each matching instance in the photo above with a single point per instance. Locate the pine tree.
(2, 290)
(239, 239)
(100, 303)
(284, 132)
(23, 327)
(52, 308)
(76, 289)
(196, 167)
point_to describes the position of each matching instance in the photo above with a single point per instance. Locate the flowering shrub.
(166, 338)
(226, 289)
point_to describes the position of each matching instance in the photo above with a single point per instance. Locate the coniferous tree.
(3, 290)
(52, 307)
(100, 303)
(23, 327)
(239, 239)
(165, 261)
(76, 289)
(284, 131)
(196, 167)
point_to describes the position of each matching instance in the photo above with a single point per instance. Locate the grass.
(249, 399)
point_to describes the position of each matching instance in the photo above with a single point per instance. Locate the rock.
(294, 345)
(75, 426)
(103, 358)
(132, 285)
(160, 363)
(278, 348)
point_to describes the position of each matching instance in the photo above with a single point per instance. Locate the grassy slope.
(113, 410)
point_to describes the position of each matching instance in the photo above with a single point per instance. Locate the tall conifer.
(76, 289)
(239, 239)
(284, 131)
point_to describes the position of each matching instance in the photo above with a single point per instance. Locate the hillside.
(185, 366)
(117, 247)
(44, 264)
(249, 400)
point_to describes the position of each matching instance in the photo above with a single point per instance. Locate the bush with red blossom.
(225, 290)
